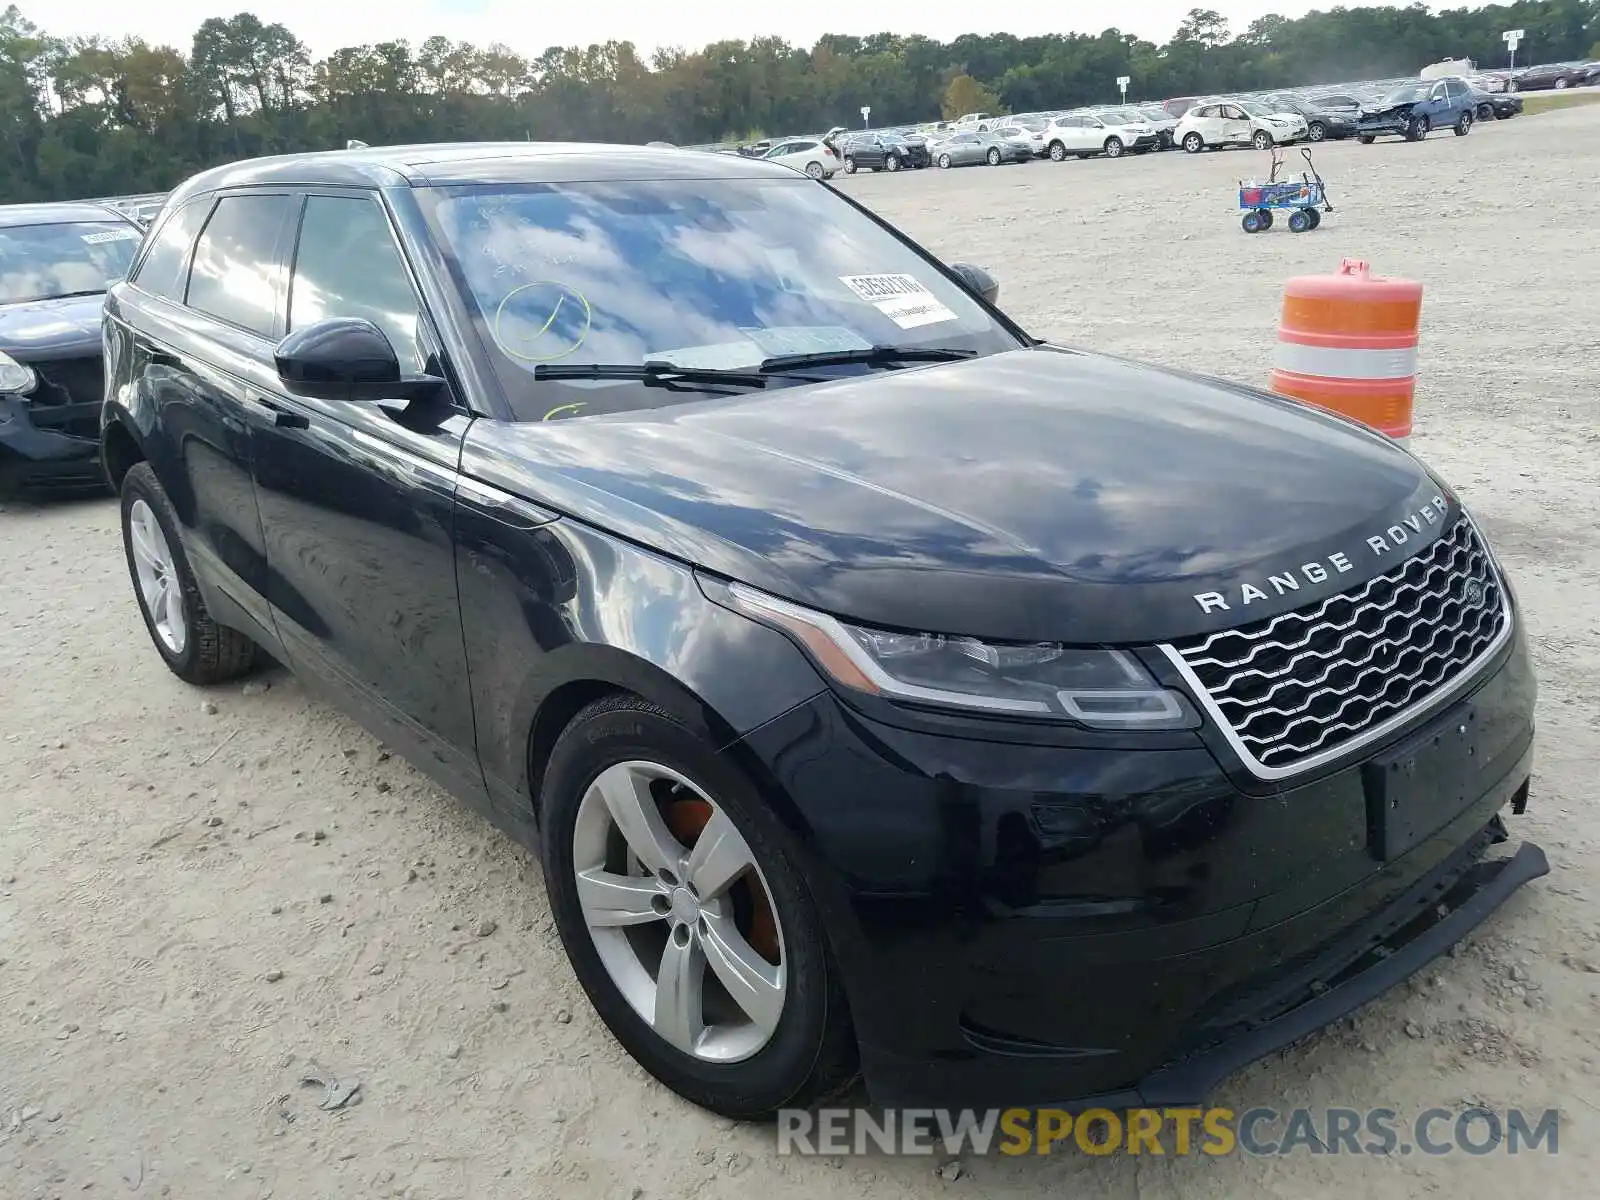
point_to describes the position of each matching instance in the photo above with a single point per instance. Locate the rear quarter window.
(165, 266)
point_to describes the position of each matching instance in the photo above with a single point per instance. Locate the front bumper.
(1145, 141)
(1028, 924)
(36, 446)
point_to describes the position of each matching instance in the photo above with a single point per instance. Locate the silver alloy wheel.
(158, 577)
(814, 169)
(660, 913)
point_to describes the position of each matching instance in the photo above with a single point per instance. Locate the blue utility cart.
(1305, 199)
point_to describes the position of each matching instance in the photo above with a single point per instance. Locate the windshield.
(1251, 107)
(705, 273)
(38, 262)
(1408, 93)
(1030, 123)
(1126, 116)
(1155, 114)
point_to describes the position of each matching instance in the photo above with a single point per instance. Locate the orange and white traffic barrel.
(1348, 343)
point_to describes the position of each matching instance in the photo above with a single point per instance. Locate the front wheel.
(1262, 140)
(1252, 221)
(1463, 124)
(1417, 129)
(1193, 143)
(1316, 131)
(892, 163)
(1561, 85)
(195, 648)
(849, 166)
(994, 156)
(686, 921)
(1366, 139)
(944, 162)
(1299, 222)
(1485, 112)
(1114, 147)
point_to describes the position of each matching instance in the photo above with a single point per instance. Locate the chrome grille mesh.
(1302, 684)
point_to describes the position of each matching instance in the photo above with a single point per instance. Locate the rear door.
(187, 357)
(357, 504)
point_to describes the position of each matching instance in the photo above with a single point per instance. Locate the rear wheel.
(1114, 147)
(1463, 124)
(1366, 139)
(1193, 143)
(1316, 131)
(814, 169)
(1315, 216)
(195, 648)
(687, 924)
(994, 156)
(849, 165)
(1561, 85)
(1299, 222)
(944, 162)
(1252, 222)
(1057, 152)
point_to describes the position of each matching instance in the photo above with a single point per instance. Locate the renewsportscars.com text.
(1169, 1131)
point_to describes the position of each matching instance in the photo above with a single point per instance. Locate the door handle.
(284, 418)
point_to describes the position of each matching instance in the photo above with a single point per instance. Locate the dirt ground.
(165, 853)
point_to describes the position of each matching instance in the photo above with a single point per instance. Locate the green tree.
(966, 95)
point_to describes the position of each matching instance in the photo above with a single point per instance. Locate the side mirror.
(978, 281)
(347, 358)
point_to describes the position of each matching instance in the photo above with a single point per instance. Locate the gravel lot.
(167, 853)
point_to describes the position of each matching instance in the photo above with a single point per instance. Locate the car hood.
(1037, 494)
(46, 329)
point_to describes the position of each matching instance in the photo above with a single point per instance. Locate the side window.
(347, 265)
(166, 261)
(234, 276)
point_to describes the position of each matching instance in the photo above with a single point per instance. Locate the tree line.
(93, 116)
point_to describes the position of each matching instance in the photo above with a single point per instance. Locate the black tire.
(1366, 139)
(1417, 128)
(1266, 217)
(812, 1054)
(1316, 131)
(1298, 221)
(994, 156)
(1057, 152)
(1486, 111)
(1463, 125)
(944, 162)
(891, 162)
(1261, 140)
(212, 653)
(849, 165)
(1315, 214)
(1561, 85)
(1193, 143)
(1114, 147)
(1252, 222)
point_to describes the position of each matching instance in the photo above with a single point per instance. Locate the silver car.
(969, 148)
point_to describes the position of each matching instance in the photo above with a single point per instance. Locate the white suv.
(1084, 134)
(1236, 123)
(810, 155)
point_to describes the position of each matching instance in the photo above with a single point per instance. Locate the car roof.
(14, 215)
(446, 163)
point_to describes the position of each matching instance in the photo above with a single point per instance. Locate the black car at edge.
(56, 261)
(884, 690)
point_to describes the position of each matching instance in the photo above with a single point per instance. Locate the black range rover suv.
(885, 690)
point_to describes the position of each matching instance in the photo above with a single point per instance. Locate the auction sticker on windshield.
(113, 235)
(902, 298)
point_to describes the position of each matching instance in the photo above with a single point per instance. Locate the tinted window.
(234, 276)
(70, 258)
(347, 265)
(798, 147)
(700, 272)
(166, 263)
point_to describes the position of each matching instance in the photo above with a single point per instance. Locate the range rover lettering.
(886, 691)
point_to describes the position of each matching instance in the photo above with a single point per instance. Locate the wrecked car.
(1415, 110)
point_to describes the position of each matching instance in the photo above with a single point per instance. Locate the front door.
(357, 508)
(1236, 124)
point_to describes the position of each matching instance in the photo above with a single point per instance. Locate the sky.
(530, 28)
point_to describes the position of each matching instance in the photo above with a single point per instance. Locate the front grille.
(70, 381)
(1304, 684)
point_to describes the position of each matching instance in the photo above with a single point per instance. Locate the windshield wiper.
(872, 356)
(649, 372)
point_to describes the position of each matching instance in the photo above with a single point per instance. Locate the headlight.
(15, 377)
(1102, 689)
